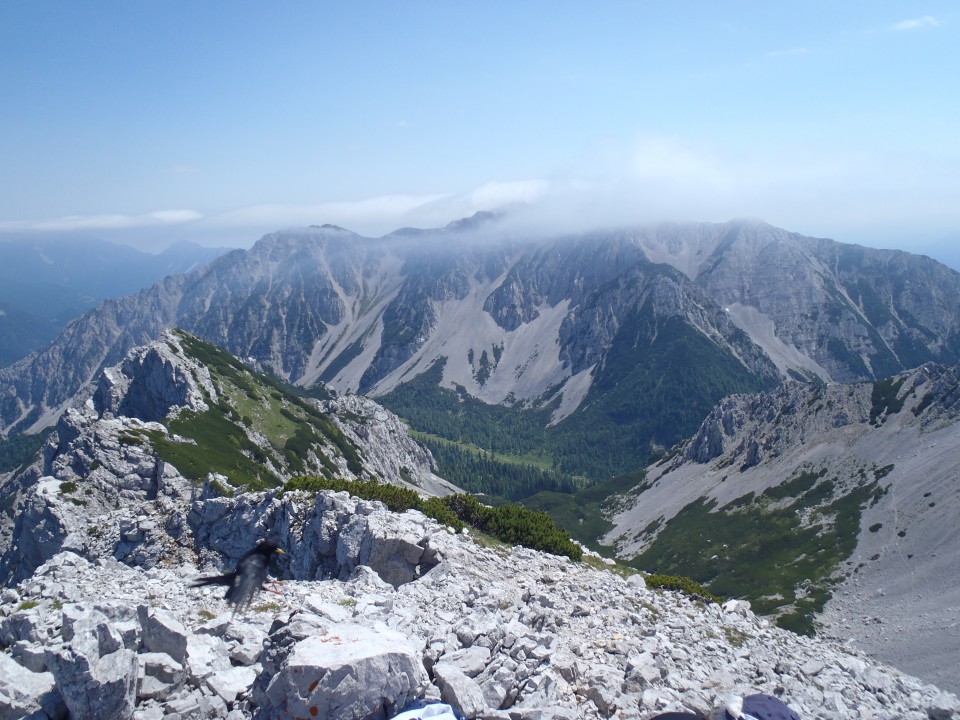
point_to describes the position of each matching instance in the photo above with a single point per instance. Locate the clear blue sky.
(153, 121)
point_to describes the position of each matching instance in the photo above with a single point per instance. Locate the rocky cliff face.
(368, 314)
(891, 441)
(858, 313)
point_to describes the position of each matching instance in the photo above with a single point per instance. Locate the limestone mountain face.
(856, 313)
(521, 319)
(868, 469)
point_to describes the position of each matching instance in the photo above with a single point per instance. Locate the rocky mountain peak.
(153, 380)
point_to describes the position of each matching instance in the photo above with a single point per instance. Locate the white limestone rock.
(93, 686)
(535, 635)
(232, 682)
(471, 661)
(23, 692)
(159, 676)
(350, 673)
(244, 642)
(459, 690)
(162, 632)
(206, 654)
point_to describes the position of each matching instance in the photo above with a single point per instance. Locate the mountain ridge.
(530, 322)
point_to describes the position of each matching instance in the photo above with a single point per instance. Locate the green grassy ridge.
(248, 402)
(756, 546)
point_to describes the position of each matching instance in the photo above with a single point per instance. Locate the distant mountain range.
(605, 345)
(770, 413)
(46, 282)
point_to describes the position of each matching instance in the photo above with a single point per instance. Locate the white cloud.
(848, 195)
(654, 178)
(915, 23)
(168, 217)
(383, 214)
(102, 222)
(854, 196)
(365, 216)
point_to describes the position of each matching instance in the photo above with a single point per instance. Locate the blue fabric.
(767, 707)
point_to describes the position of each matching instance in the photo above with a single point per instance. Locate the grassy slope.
(248, 401)
(758, 548)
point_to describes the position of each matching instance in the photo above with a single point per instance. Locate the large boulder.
(23, 692)
(94, 672)
(392, 544)
(95, 686)
(163, 633)
(349, 673)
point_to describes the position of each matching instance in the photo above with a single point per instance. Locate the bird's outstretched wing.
(250, 575)
(226, 579)
(248, 578)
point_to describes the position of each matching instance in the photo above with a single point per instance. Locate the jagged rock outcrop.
(550, 636)
(328, 539)
(102, 487)
(151, 381)
(389, 451)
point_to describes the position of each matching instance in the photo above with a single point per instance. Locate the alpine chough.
(248, 578)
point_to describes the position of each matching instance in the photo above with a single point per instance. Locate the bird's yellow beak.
(280, 550)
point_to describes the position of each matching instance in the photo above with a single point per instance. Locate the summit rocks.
(521, 647)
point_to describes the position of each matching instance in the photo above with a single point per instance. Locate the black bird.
(244, 582)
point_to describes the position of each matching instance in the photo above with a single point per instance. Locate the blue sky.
(150, 122)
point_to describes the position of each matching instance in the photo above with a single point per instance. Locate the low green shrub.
(509, 523)
(682, 584)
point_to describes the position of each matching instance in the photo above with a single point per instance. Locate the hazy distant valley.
(47, 282)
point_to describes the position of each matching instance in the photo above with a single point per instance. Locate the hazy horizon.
(149, 124)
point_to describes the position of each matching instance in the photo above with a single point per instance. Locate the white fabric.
(439, 711)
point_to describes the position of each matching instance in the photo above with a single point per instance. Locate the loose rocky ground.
(499, 632)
